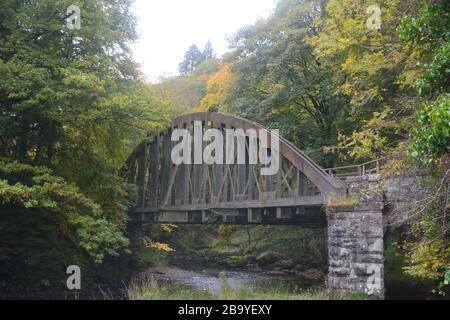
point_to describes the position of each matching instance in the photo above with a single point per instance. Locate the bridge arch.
(184, 193)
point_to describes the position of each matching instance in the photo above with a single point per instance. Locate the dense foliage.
(73, 105)
(428, 248)
(71, 108)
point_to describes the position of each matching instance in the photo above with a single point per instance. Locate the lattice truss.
(163, 184)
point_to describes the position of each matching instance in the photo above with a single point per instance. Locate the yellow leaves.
(226, 231)
(429, 260)
(168, 228)
(370, 141)
(157, 245)
(412, 70)
(394, 165)
(217, 86)
(364, 56)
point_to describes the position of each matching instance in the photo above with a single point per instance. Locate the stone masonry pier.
(355, 239)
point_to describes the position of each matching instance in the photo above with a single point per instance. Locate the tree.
(185, 92)
(58, 212)
(217, 87)
(192, 58)
(431, 136)
(377, 71)
(382, 68)
(182, 93)
(428, 249)
(428, 34)
(72, 101)
(208, 52)
(280, 82)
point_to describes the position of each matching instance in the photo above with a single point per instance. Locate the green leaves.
(72, 101)
(447, 277)
(431, 137)
(96, 235)
(429, 33)
(281, 83)
(436, 77)
(99, 237)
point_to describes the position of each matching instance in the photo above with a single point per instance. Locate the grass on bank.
(150, 289)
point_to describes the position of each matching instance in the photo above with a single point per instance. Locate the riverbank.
(209, 284)
(152, 290)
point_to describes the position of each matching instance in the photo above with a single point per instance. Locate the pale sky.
(168, 27)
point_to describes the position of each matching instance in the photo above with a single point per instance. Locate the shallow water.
(208, 280)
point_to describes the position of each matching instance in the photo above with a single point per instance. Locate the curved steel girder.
(327, 184)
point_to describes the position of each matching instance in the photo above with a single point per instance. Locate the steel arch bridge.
(227, 193)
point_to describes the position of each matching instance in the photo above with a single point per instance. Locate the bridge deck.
(310, 217)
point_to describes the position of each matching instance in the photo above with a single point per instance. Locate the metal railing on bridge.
(363, 169)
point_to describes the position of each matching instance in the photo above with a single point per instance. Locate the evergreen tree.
(192, 58)
(208, 52)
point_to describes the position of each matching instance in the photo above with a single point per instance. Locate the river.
(210, 280)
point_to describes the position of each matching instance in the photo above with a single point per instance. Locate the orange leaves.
(218, 84)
